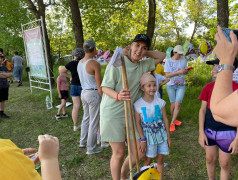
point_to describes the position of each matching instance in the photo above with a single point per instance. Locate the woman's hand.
(202, 139)
(225, 50)
(124, 95)
(142, 147)
(60, 96)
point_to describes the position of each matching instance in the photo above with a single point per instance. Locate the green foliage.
(12, 14)
(200, 75)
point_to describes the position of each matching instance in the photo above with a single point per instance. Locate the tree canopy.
(114, 23)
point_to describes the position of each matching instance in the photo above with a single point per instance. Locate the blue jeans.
(176, 93)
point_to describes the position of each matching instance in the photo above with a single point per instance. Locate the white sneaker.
(76, 128)
(95, 150)
(104, 145)
(82, 145)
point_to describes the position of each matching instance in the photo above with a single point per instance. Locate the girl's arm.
(166, 123)
(202, 137)
(123, 95)
(58, 88)
(140, 131)
(182, 71)
(158, 56)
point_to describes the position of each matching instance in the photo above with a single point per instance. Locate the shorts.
(4, 94)
(75, 91)
(222, 139)
(64, 94)
(176, 93)
(155, 149)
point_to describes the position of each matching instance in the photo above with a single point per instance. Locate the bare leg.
(172, 105)
(2, 105)
(160, 164)
(75, 111)
(125, 167)
(224, 160)
(147, 161)
(176, 111)
(118, 153)
(62, 106)
(211, 155)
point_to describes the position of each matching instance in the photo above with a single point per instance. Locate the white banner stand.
(36, 56)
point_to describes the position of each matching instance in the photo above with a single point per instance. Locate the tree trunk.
(77, 22)
(223, 13)
(196, 21)
(151, 19)
(41, 13)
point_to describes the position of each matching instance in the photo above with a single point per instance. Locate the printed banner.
(35, 53)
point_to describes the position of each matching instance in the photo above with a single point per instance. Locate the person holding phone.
(175, 70)
(224, 102)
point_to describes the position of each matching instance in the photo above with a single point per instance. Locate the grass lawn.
(30, 118)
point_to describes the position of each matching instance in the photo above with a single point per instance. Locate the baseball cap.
(146, 77)
(179, 49)
(79, 53)
(142, 37)
(89, 44)
(217, 61)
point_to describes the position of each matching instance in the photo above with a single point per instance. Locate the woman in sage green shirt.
(112, 114)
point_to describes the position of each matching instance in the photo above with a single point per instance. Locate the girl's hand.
(124, 95)
(169, 142)
(234, 146)
(142, 147)
(201, 139)
(60, 96)
(48, 147)
(183, 71)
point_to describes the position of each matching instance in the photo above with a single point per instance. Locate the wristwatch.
(221, 67)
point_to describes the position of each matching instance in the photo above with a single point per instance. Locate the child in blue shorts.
(152, 123)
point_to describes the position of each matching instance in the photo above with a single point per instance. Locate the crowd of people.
(104, 113)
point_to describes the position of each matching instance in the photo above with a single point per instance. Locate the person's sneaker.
(82, 145)
(57, 117)
(65, 115)
(76, 128)
(104, 145)
(95, 150)
(19, 84)
(172, 127)
(177, 123)
(3, 115)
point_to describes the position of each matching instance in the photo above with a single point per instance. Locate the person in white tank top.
(89, 72)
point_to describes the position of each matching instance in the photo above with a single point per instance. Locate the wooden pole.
(127, 121)
(125, 86)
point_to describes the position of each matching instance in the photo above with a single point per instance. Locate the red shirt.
(207, 92)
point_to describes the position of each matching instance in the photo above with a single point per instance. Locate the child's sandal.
(65, 115)
(57, 117)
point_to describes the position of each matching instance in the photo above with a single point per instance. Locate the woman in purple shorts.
(213, 134)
